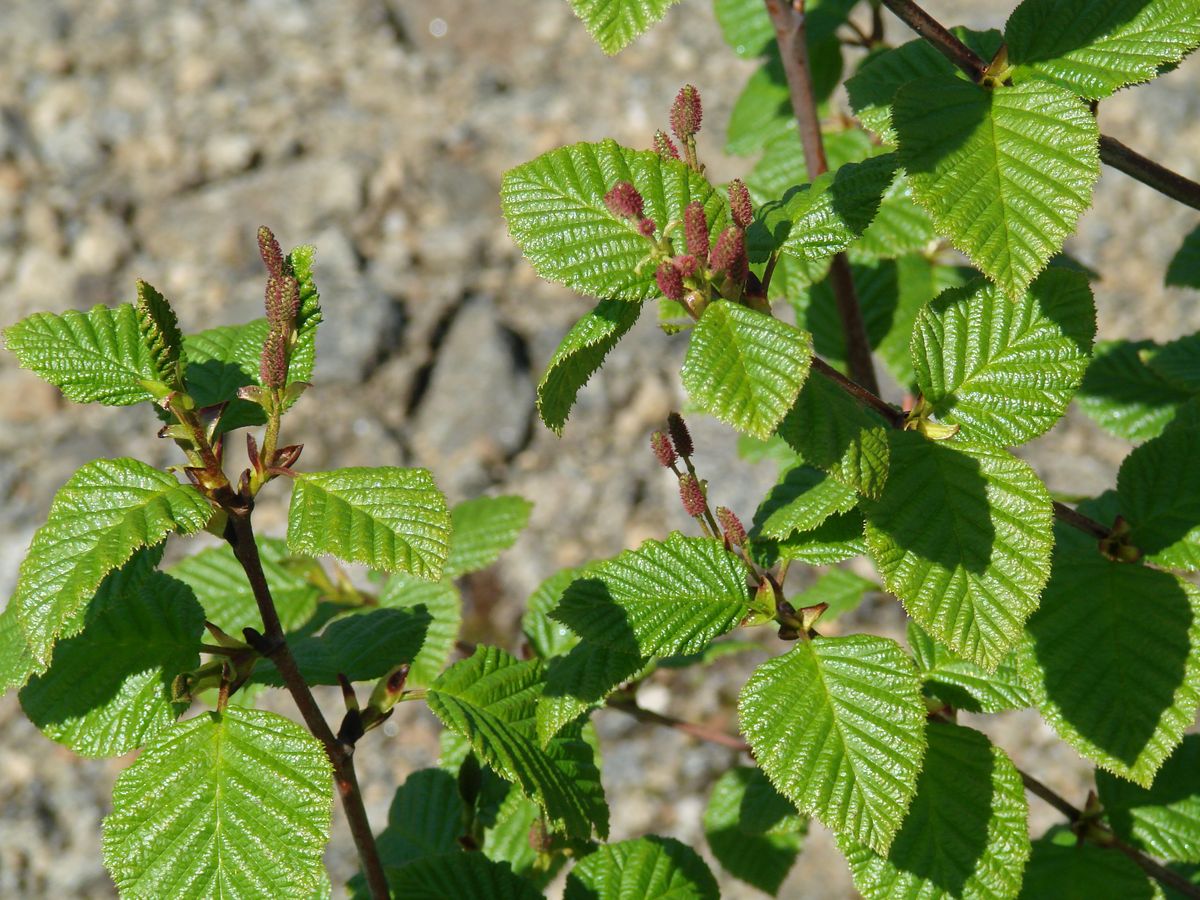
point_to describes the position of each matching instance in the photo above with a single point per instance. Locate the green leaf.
(506, 839)
(482, 529)
(16, 662)
(754, 833)
(221, 586)
(1005, 173)
(831, 431)
(838, 538)
(555, 210)
(232, 804)
(748, 30)
(107, 510)
(1063, 867)
(1111, 658)
(900, 227)
(802, 499)
(547, 637)
(762, 112)
(160, 334)
(303, 354)
(615, 23)
(93, 357)
(580, 681)
(1123, 395)
(1164, 819)
(425, 819)
(839, 589)
(1177, 362)
(1004, 371)
(745, 368)
(838, 726)
(580, 356)
(108, 689)
(1184, 270)
(1159, 490)
(648, 868)
(962, 684)
(965, 834)
(1092, 49)
(462, 875)
(441, 601)
(387, 518)
(782, 165)
(662, 599)
(491, 698)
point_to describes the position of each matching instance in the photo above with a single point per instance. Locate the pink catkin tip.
(268, 248)
(665, 146)
(739, 204)
(686, 112)
(680, 436)
(624, 201)
(734, 530)
(647, 227)
(670, 281)
(695, 230)
(663, 451)
(692, 495)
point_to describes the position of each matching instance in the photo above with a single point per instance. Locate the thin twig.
(939, 36)
(1076, 519)
(700, 732)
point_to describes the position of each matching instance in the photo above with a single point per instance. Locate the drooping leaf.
(802, 499)
(962, 684)
(1002, 370)
(1123, 395)
(653, 868)
(461, 875)
(1005, 173)
(1184, 270)
(387, 518)
(1164, 819)
(965, 834)
(615, 23)
(1177, 362)
(754, 833)
(1111, 658)
(555, 210)
(838, 538)
(107, 510)
(838, 726)
(233, 804)
(839, 589)
(580, 681)
(745, 367)
(439, 600)
(482, 529)
(108, 688)
(1092, 49)
(580, 356)
(961, 535)
(1062, 867)
(661, 599)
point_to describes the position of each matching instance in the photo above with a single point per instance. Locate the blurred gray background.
(149, 139)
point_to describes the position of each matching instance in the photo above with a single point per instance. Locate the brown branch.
(1076, 519)
(788, 20)
(700, 732)
(240, 536)
(939, 36)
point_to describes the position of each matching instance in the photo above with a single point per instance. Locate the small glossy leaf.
(1184, 270)
(441, 601)
(1062, 867)
(754, 833)
(900, 226)
(160, 333)
(962, 537)
(838, 538)
(387, 518)
(615, 23)
(482, 529)
(802, 499)
(547, 637)
(745, 368)
(580, 681)
(650, 868)
(962, 684)
(1163, 819)
(233, 804)
(838, 726)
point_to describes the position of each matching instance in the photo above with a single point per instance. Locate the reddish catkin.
(647, 227)
(679, 434)
(695, 230)
(624, 201)
(665, 146)
(663, 451)
(729, 247)
(739, 204)
(692, 495)
(686, 112)
(731, 525)
(272, 366)
(268, 248)
(670, 281)
(686, 264)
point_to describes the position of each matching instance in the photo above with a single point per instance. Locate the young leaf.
(439, 600)
(1184, 270)
(223, 805)
(387, 518)
(661, 599)
(900, 226)
(839, 589)
(108, 689)
(803, 498)
(1163, 819)
(1111, 658)
(831, 431)
(461, 875)
(16, 662)
(966, 833)
(615, 23)
(649, 868)
(1093, 49)
(506, 839)
(547, 637)
(838, 538)
(482, 529)
(1004, 172)
(303, 354)
(962, 537)
(1123, 395)
(580, 681)
(745, 368)
(580, 356)
(962, 684)
(1063, 867)
(555, 210)
(93, 357)
(754, 833)
(160, 333)
(1004, 371)
(838, 726)
(106, 511)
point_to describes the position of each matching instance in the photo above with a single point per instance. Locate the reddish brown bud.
(686, 112)
(665, 146)
(739, 204)
(268, 248)
(646, 227)
(670, 281)
(729, 246)
(679, 434)
(663, 451)
(686, 264)
(695, 230)
(735, 531)
(624, 201)
(692, 495)
(273, 365)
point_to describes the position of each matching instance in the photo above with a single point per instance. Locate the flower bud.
(739, 204)
(686, 112)
(692, 495)
(665, 146)
(735, 531)
(663, 451)
(646, 227)
(686, 264)
(268, 248)
(273, 364)
(624, 201)
(695, 230)
(679, 434)
(670, 281)
(730, 245)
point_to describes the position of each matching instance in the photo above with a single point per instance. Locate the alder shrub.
(982, 141)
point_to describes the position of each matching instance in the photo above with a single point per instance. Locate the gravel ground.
(148, 139)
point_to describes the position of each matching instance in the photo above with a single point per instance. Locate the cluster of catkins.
(709, 269)
(283, 305)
